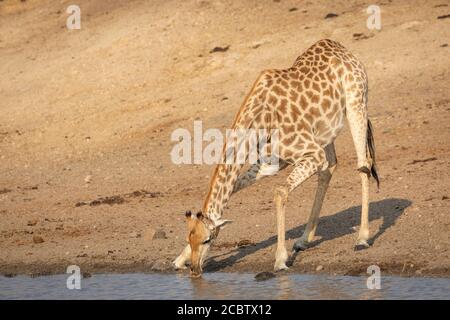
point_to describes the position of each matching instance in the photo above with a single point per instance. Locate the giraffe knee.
(365, 170)
(332, 167)
(281, 194)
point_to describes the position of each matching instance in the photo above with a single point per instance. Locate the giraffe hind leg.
(358, 123)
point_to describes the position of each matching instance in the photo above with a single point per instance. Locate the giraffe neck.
(220, 190)
(225, 175)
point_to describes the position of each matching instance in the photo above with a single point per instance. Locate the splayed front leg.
(281, 256)
(323, 182)
(185, 256)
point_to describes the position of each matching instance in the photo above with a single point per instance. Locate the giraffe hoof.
(361, 245)
(177, 265)
(280, 266)
(300, 245)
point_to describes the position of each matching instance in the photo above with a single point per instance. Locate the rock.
(160, 265)
(245, 242)
(331, 15)
(88, 179)
(319, 268)
(445, 16)
(38, 239)
(135, 235)
(32, 222)
(159, 234)
(265, 275)
(362, 36)
(220, 49)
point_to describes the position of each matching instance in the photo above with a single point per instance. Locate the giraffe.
(307, 103)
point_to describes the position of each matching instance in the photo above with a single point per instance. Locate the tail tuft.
(371, 149)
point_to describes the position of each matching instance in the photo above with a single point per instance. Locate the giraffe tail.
(371, 150)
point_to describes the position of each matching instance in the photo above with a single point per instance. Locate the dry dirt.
(87, 115)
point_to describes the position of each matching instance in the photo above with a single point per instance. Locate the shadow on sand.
(329, 228)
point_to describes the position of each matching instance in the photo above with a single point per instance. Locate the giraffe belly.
(327, 128)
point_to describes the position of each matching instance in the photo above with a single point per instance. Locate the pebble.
(32, 222)
(331, 15)
(245, 242)
(160, 265)
(38, 239)
(265, 275)
(319, 268)
(159, 234)
(135, 235)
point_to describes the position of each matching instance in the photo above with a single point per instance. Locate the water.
(222, 286)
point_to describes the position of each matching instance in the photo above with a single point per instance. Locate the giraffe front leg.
(304, 169)
(185, 256)
(281, 256)
(308, 235)
(323, 182)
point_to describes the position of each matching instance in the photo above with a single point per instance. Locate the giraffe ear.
(188, 214)
(222, 223)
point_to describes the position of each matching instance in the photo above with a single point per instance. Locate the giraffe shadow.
(329, 228)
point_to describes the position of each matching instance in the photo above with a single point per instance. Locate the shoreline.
(387, 269)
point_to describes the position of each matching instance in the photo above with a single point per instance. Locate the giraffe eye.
(207, 240)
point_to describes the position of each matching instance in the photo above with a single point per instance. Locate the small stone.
(245, 242)
(32, 222)
(159, 234)
(319, 268)
(160, 265)
(331, 15)
(135, 235)
(88, 179)
(220, 49)
(38, 239)
(262, 276)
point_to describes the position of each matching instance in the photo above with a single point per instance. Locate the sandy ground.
(86, 119)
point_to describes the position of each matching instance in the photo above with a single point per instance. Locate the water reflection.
(222, 286)
(284, 287)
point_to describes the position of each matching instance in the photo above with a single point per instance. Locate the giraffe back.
(306, 102)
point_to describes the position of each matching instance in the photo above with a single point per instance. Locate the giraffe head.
(202, 231)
